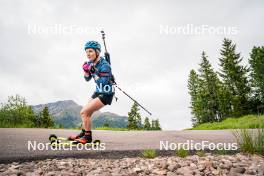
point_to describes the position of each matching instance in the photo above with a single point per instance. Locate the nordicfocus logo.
(105, 88)
(35, 146)
(191, 29)
(59, 29)
(190, 145)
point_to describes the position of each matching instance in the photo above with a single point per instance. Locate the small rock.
(51, 174)
(164, 165)
(215, 172)
(251, 171)
(147, 171)
(201, 167)
(137, 170)
(171, 174)
(208, 164)
(225, 165)
(239, 170)
(173, 167)
(193, 166)
(30, 174)
(159, 172)
(184, 171)
(214, 164)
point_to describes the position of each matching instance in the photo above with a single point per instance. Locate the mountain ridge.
(66, 113)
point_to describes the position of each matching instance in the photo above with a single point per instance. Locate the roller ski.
(81, 138)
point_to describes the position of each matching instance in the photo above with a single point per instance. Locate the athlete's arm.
(105, 73)
(87, 76)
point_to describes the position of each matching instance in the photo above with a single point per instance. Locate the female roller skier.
(100, 70)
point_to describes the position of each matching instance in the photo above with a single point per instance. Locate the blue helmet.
(93, 44)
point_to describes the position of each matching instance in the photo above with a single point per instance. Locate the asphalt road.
(15, 142)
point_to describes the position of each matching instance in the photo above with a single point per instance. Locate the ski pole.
(103, 37)
(107, 56)
(133, 99)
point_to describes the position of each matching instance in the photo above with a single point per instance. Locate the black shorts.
(106, 99)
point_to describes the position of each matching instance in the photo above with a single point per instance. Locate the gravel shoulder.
(210, 164)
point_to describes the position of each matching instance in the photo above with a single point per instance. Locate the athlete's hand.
(86, 67)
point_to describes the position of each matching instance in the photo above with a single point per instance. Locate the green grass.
(111, 128)
(182, 153)
(148, 153)
(245, 122)
(200, 153)
(221, 152)
(250, 141)
(116, 129)
(259, 142)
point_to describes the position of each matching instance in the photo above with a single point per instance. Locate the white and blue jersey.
(102, 76)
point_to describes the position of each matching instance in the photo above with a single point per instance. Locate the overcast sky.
(153, 47)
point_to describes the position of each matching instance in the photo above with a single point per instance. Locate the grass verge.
(250, 141)
(245, 122)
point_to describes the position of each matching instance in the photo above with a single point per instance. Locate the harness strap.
(104, 74)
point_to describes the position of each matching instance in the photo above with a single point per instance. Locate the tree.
(257, 72)
(193, 86)
(147, 125)
(208, 91)
(106, 124)
(31, 116)
(234, 76)
(157, 125)
(210, 98)
(224, 100)
(46, 118)
(38, 120)
(204, 90)
(16, 113)
(61, 126)
(152, 124)
(134, 118)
